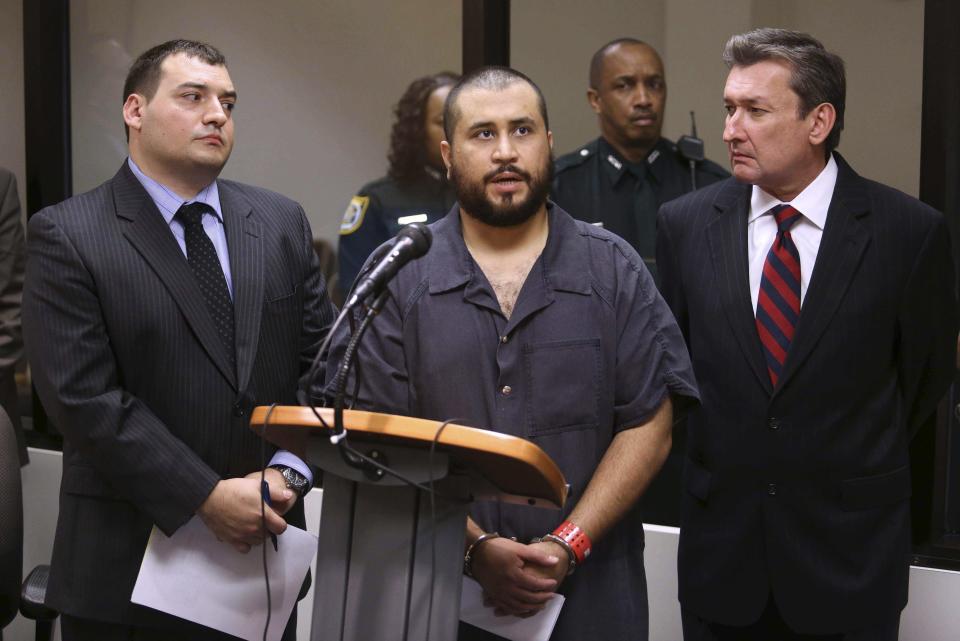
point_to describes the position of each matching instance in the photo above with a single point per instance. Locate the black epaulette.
(575, 158)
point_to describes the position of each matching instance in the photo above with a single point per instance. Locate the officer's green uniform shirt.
(596, 185)
(380, 210)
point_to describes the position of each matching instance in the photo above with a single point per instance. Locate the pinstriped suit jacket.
(803, 489)
(127, 362)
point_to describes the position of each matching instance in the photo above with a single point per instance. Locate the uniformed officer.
(621, 178)
(415, 188)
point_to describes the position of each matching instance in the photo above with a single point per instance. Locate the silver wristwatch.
(295, 480)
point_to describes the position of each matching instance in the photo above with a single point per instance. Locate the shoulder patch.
(353, 217)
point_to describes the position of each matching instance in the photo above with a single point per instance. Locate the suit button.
(238, 410)
(772, 489)
(506, 390)
(504, 339)
(773, 423)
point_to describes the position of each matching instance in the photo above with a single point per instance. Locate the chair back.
(11, 522)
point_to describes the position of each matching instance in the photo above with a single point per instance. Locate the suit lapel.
(246, 265)
(149, 233)
(841, 249)
(727, 237)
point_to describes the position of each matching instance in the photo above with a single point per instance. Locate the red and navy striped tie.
(778, 305)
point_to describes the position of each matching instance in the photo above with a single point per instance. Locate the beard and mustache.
(508, 212)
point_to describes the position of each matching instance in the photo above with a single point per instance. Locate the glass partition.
(317, 82)
(881, 42)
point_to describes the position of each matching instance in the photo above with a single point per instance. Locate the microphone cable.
(350, 455)
(338, 433)
(263, 515)
(433, 520)
(314, 370)
(429, 490)
(385, 469)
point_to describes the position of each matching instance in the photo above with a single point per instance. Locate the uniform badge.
(412, 218)
(613, 161)
(353, 217)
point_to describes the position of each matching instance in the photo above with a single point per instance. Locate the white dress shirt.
(813, 202)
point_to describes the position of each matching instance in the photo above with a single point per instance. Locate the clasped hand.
(518, 579)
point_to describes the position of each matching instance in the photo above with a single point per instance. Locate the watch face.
(295, 480)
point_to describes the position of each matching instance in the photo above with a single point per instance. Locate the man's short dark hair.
(144, 75)
(492, 78)
(596, 62)
(817, 75)
(408, 154)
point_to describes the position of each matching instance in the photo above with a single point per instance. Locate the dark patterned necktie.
(203, 260)
(778, 304)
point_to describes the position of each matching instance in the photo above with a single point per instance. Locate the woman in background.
(415, 188)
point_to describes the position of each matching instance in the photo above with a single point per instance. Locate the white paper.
(194, 576)
(534, 628)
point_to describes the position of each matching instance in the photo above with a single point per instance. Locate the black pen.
(265, 491)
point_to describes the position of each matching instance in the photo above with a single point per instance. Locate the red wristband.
(577, 538)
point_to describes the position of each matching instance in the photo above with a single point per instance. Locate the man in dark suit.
(160, 308)
(822, 338)
(11, 290)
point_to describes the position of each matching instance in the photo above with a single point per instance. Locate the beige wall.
(318, 80)
(880, 40)
(11, 91)
(552, 41)
(317, 83)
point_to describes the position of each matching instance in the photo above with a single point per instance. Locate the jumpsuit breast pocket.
(563, 383)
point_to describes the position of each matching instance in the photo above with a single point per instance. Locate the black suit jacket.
(128, 364)
(804, 489)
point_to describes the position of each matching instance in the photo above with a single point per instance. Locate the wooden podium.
(381, 552)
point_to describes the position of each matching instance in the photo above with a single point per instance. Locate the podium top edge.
(290, 425)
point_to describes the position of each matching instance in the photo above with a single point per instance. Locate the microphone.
(412, 242)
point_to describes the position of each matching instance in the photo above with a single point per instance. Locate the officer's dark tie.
(778, 304)
(645, 208)
(206, 268)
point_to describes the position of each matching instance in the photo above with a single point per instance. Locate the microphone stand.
(412, 242)
(346, 364)
(304, 395)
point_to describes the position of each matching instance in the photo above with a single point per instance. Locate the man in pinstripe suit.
(819, 310)
(149, 379)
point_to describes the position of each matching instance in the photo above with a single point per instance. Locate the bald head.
(599, 58)
(628, 93)
(490, 78)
